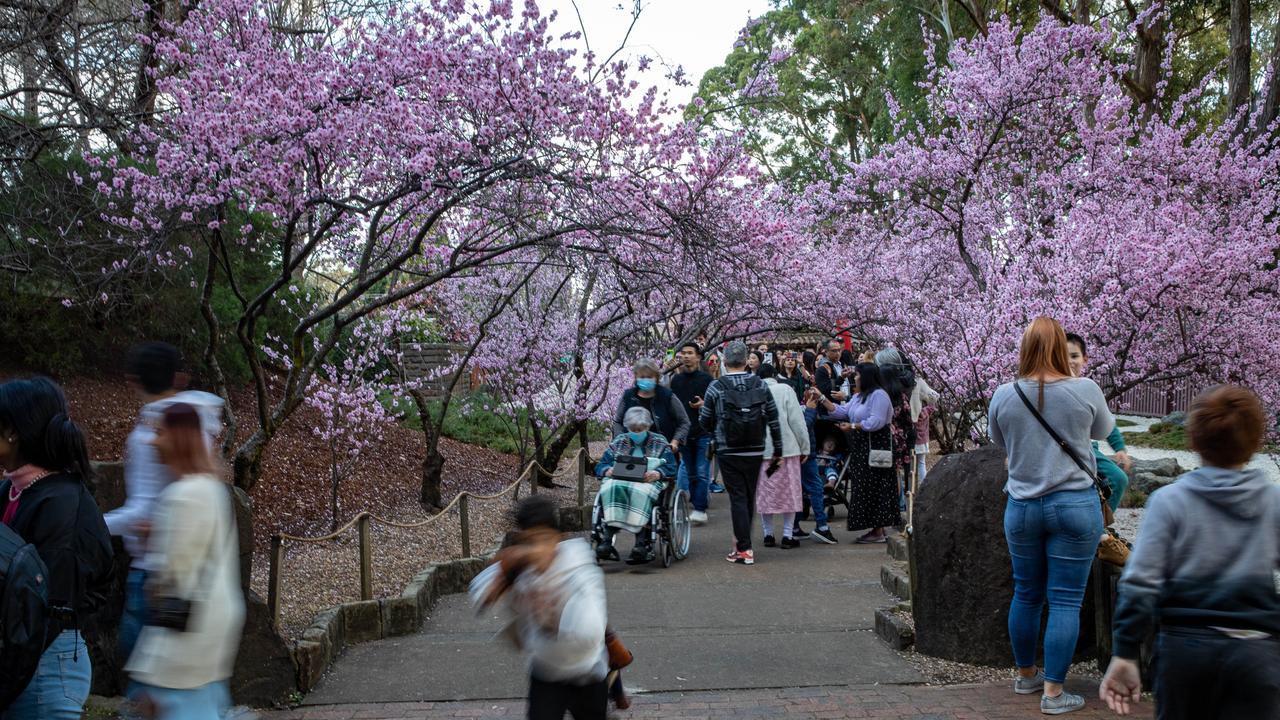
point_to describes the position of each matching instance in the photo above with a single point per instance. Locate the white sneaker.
(698, 518)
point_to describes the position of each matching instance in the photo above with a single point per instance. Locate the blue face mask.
(646, 384)
(637, 438)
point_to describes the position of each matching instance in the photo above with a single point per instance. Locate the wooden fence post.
(464, 518)
(366, 558)
(584, 512)
(276, 562)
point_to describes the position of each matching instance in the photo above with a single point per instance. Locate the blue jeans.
(134, 616)
(61, 683)
(812, 483)
(693, 454)
(206, 702)
(1052, 541)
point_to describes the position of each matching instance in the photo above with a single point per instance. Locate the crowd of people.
(788, 430)
(791, 433)
(184, 606)
(788, 434)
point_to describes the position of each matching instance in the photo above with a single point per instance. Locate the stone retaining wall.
(358, 622)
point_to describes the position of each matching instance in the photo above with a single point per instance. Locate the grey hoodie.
(1208, 555)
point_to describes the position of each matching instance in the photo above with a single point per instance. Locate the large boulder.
(1162, 467)
(1147, 483)
(1176, 417)
(961, 572)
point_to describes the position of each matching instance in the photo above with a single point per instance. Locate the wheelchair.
(669, 522)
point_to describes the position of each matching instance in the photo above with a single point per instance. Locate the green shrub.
(1121, 422)
(1134, 499)
(1165, 437)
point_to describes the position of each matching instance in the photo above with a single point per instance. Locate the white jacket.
(795, 433)
(575, 652)
(193, 551)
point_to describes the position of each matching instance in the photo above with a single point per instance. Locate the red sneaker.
(742, 557)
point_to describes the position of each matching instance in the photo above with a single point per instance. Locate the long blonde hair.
(1043, 354)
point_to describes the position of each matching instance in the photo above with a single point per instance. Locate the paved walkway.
(790, 637)
(883, 702)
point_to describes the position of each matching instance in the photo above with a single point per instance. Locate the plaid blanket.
(628, 505)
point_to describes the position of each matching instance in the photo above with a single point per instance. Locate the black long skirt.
(873, 492)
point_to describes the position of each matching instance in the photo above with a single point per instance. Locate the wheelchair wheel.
(680, 528)
(665, 552)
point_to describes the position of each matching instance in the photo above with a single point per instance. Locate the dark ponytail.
(34, 410)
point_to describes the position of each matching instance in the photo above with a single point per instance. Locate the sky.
(697, 34)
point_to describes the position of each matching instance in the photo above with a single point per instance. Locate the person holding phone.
(689, 385)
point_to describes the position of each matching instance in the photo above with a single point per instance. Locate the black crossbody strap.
(1103, 488)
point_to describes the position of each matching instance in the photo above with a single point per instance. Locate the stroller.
(833, 466)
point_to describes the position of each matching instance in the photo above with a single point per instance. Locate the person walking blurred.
(1053, 518)
(552, 593)
(45, 499)
(183, 658)
(1206, 571)
(153, 372)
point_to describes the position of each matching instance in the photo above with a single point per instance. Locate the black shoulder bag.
(1104, 490)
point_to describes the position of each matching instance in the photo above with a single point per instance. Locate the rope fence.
(364, 521)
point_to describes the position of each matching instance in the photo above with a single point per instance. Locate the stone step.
(898, 547)
(894, 629)
(895, 579)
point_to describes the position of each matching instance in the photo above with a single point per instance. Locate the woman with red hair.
(1052, 519)
(184, 656)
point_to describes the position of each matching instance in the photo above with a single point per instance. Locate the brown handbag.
(1113, 549)
(619, 655)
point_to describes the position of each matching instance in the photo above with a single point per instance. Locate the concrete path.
(882, 702)
(797, 618)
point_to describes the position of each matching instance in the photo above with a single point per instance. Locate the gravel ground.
(945, 672)
(320, 575)
(1270, 464)
(948, 672)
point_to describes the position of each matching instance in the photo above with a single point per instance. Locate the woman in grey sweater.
(1053, 519)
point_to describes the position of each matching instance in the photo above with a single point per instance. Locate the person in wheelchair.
(627, 504)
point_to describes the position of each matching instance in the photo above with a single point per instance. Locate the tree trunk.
(1239, 61)
(585, 441)
(1147, 58)
(430, 495)
(554, 451)
(1082, 12)
(246, 466)
(334, 478)
(1271, 95)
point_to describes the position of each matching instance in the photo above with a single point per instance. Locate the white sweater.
(574, 651)
(795, 433)
(193, 552)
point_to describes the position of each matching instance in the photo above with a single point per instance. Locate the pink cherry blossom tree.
(1038, 185)
(385, 158)
(347, 395)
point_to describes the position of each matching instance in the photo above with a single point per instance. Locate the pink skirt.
(781, 492)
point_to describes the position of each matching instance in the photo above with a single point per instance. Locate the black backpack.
(24, 605)
(742, 413)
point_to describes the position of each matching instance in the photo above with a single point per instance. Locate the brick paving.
(881, 702)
